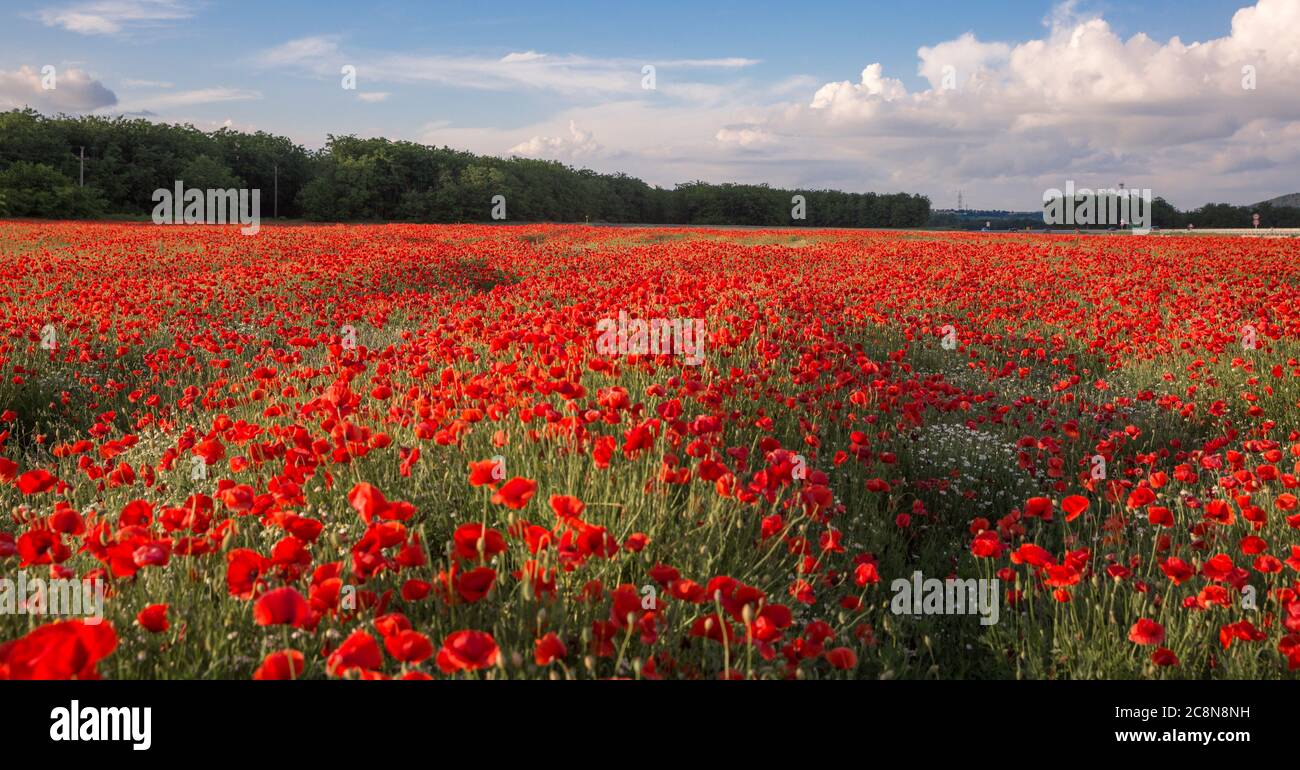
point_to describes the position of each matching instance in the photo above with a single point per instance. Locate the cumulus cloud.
(1083, 77)
(1078, 101)
(858, 99)
(962, 60)
(73, 91)
(743, 136)
(109, 17)
(578, 144)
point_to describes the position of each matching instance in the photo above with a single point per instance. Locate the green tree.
(206, 173)
(37, 190)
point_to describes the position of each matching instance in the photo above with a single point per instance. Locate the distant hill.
(1283, 200)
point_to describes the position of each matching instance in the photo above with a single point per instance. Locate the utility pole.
(81, 174)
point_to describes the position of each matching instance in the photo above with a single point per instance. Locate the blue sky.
(745, 91)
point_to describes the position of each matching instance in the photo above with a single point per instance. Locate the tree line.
(1163, 215)
(355, 179)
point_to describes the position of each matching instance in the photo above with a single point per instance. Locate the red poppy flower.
(515, 493)
(866, 574)
(567, 507)
(549, 649)
(1074, 506)
(470, 537)
(36, 481)
(1033, 555)
(1177, 570)
(842, 658)
(154, 618)
(69, 649)
(1160, 516)
(41, 546)
(1163, 656)
(1141, 496)
(409, 646)
(475, 584)
(986, 545)
(358, 652)
(484, 472)
(415, 590)
(243, 568)
(370, 503)
(1146, 631)
(1218, 567)
(282, 606)
(468, 651)
(1039, 508)
(1061, 575)
(285, 664)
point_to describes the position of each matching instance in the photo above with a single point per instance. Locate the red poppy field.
(402, 452)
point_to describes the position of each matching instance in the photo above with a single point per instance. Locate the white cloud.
(189, 98)
(300, 52)
(733, 62)
(578, 144)
(74, 91)
(568, 74)
(110, 17)
(522, 57)
(373, 96)
(967, 57)
(1079, 102)
(133, 83)
(858, 99)
(744, 136)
